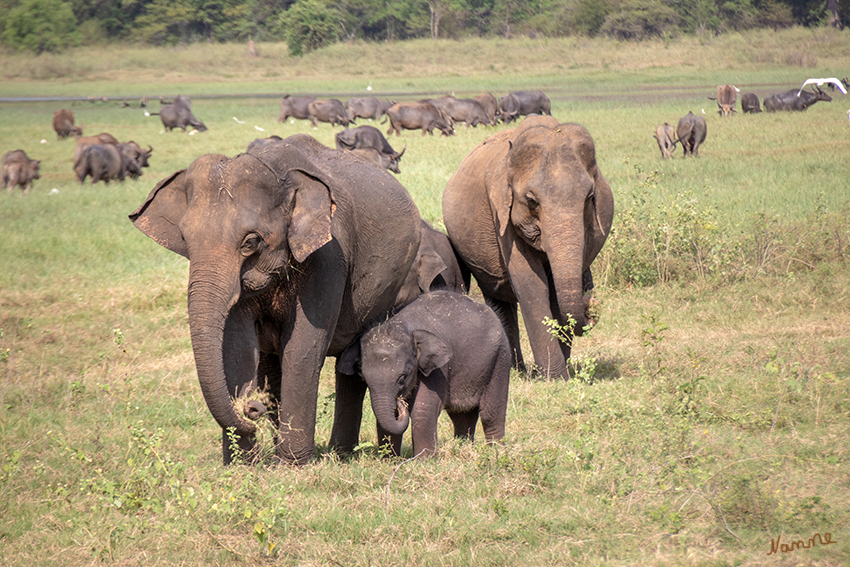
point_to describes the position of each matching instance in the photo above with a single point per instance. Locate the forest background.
(306, 25)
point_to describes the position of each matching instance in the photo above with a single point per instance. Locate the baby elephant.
(665, 136)
(443, 351)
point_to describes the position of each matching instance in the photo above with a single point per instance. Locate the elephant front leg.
(348, 413)
(425, 412)
(507, 313)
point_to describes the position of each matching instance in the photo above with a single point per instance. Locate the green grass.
(711, 405)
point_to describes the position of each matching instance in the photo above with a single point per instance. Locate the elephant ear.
(159, 216)
(499, 190)
(348, 362)
(431, 265)
(312, 212)
(431, 351)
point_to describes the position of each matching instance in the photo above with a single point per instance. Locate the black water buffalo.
(295, 107)
(63, 124)
(465, 110)
(509, 108)
(532, 102)
(380, 159)
(260, 142)
(105, 163)
(490, 105)
(17, 168)
(328, 110)
(366, 107)
(370, 138)
(750, 103)
(178, 114)
(726, 97)
(691, 130)
(790, 101)
(415, 115)
(135, 152)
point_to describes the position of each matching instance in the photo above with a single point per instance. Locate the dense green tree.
(640, 19)
(40, 25)
(309, 25)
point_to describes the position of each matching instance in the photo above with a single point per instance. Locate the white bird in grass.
(369, 88)
(258, 128)
(819, 82)
(238, 121)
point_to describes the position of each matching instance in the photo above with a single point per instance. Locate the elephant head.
(549, 192)
(391, 359)
(247, 225)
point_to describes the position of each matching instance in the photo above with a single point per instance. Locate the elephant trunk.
(209, 303)
(385, 413)
(567, 264)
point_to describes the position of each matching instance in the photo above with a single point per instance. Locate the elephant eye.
(532, 202)
(250, 244)
(400, 380)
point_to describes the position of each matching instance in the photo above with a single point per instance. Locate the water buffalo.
(135, 152)
(178, 114)
(532, 102)
(364, 137)
(260, 142)
(726, 97)
(509, 108)
(415, 115)
(664, 135)
(691, 130)
(105, 163)
(63, 124)
(18, 169)
(295, 107)
(490, 105)
(366, 107)
(461, 110)
(750, 103)
(84, 142)
(380, 159)
(328, 110)
(789, 100)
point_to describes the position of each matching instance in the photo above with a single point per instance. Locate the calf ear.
(312, 211)
(431, 265)
(431, 351)
(159, 216)
(349, 361)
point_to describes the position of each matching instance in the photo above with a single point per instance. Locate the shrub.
(640, 19)
(41, 26)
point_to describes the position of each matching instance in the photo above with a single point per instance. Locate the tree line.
(305, 25)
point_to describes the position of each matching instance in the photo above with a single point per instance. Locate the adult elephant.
(292, 253)
(528, 210)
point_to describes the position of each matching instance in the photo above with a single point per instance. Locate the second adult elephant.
(528, 211)
(292, 253)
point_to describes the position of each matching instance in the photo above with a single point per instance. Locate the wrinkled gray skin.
(750, 103)
(63, 124)
(18, 169)
(664, 135)
(691, 131)
(295, 107)
(490, 105)
(293, 251)
(327, 110)
(443, 351)
(791, 102)
(461, 110)
(527, 211)
(436, 267)
(366, 107)
(260, 142)
(416, 115)
(106, 163)
(374, 146)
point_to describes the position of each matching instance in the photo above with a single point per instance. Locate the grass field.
(707, 423)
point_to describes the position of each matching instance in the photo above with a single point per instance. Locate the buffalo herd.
(691, 129)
